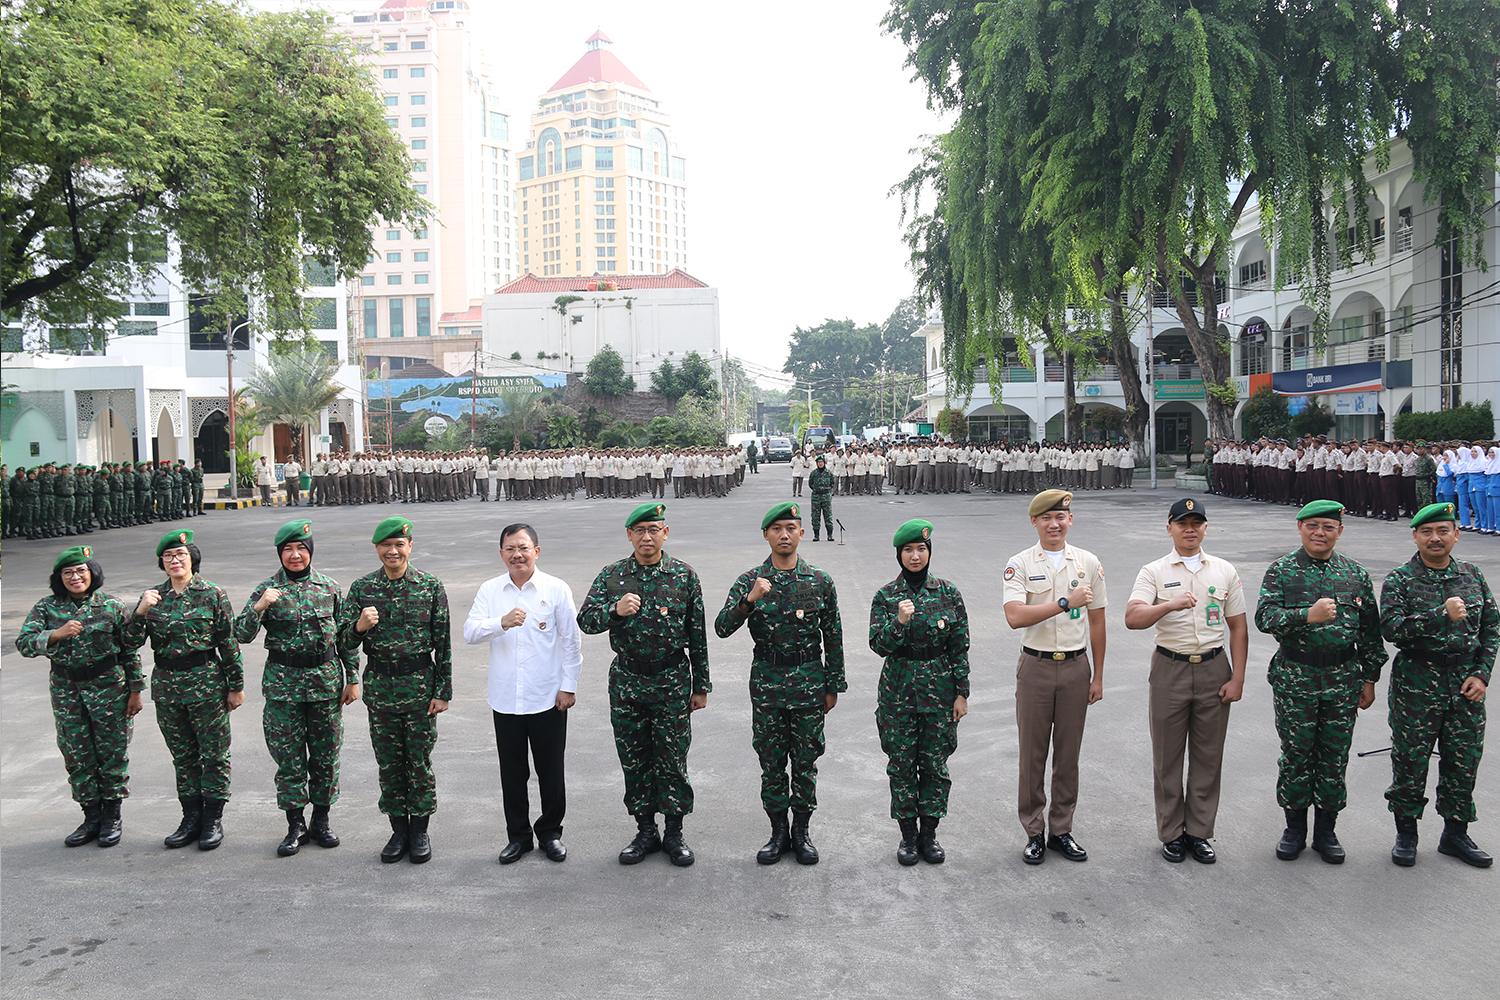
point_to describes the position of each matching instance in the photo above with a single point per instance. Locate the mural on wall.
(452, 397)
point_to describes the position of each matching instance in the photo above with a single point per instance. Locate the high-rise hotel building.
(601, 184)
(437, 86)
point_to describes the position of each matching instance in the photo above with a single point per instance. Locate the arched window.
(549, 153)
(658, 140)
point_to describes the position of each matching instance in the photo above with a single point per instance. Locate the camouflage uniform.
(142, 494)
(64, 488)
(27, 513)
(47, 508)
(1426, 484)
(651, 681)
(820, 484)
(93, 729)
(926, 669)
(409, 662)
(1319, 671)
(303, 719)
(161, 491)
(1436, 656)
(103, 483)
(121, 511)
(789, 675)
(196, 475)
(197, 666)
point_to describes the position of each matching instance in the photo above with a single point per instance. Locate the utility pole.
(1150, 379)
(234, 451)
(474, 392)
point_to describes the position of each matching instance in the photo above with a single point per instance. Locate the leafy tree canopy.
(605, 375)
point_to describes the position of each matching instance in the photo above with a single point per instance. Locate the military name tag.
(1036, 578)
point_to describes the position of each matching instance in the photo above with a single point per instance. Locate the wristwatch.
(1062, 602)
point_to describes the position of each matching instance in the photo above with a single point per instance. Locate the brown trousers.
(1187, 718)
(1052, 701)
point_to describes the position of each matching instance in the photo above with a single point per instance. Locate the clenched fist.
(760, 589)
(1457, 611)
(513, 617)
(368, 619)
(269, 597)
(149, 600)
(627, 605)
(904, 611)
(1325, 609)
(66, 630)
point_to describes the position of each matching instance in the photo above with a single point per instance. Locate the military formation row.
(48, 501)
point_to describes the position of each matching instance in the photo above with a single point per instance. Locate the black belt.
(188, 662)
(1052, 654)
(921, 652)
(1190, 657)
(301, 661)
(88, 671)
(795, 658)
(1462, 659)
(1324, 659)
(650, 668)
(402, 667)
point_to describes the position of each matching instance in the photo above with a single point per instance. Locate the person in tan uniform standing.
(1197, 604)
(1055, 593)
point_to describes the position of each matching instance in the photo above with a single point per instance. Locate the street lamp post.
(234, 464)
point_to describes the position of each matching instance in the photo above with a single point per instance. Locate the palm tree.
(294, 387)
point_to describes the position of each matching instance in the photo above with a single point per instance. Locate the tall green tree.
(605, 375)
(696, 377)
(244, 140)
(664, 381)
(293, 388)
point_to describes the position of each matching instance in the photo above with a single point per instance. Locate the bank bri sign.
(1363, 377)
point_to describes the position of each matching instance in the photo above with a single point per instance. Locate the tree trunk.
(1203, 334)
(1129, 372)
(1070, 399)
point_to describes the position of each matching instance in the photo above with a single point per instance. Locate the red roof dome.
(597, 65)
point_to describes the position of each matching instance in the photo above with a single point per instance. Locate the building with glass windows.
(601, 183)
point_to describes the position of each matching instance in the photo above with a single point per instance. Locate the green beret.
(789, 511)
(1050, 500)
(391, 527)
(1435, 512)
(1322, 508)
(293, 531)
(915, 530)
(174, 540)
(75, 556)
(646, 512)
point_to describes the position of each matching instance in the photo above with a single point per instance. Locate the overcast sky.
(795, 119)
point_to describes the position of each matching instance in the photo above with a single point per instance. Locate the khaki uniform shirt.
(1031, 579)
(1204, 626)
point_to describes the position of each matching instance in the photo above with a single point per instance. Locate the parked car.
(778, 449)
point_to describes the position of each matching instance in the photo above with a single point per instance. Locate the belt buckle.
(1059, 656)
(1195, 658)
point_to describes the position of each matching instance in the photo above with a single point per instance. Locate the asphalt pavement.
(138, 920)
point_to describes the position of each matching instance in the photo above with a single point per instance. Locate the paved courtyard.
(142, 921)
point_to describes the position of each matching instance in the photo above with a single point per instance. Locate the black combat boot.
(87, 830)
(318, 831)
(927, 845)
(110, 826)
(1294, 837)
(1455, 843)
(212, 833)
(802, 844)
(1324, 841)
(906, 853)
(1405, 851)
(421, 844)
(780, 842)
(647, 840)
(296, 834)
(192, 822)
(395, 848)
(672, 844)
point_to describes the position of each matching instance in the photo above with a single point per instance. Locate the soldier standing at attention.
(400, 615)
(1047, 590)
(1439, 613)
(64, 488)
(1193, 599)
(795, 677)
(1320, 607)
(196, 477)
(918, 623)
(652, 607)
(96, 688)
(306, 683)
(197, 681)
(821, 484)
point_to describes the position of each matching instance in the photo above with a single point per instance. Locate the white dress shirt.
(532, 662)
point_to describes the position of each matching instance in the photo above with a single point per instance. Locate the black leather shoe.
(1455, 843)
(1405, 851)
(1173, 851)
(802, 844)
(211, 833)
(419, 845)
(672, 844)
(780, 842)
(1200, 850)
(1036, 850)
(554, 850)
(1324, 841)
(192, 823)
(318, 831)
(1294, 837)
(927, 845)
(296, 834)
(906, 852)
(1064, 844)
(647, 840)
(512, 851)
(88, 830)
(395, 848)
(110, 826)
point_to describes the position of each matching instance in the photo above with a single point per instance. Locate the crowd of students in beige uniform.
(939, 466)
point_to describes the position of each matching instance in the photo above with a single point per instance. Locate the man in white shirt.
(530, 622)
